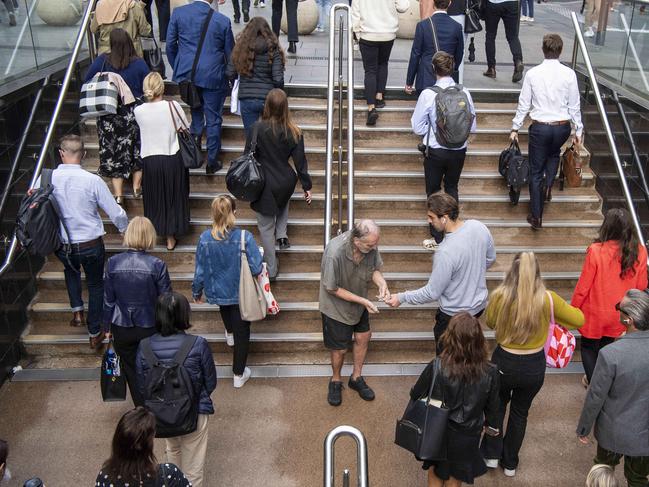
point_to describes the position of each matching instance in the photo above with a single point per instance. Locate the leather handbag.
(189, 151)
(152, 55)
(422, 429)
(188, 92)
(245, 177)
(472, 17)
(112, 379)
(252, 301)
(570, 168)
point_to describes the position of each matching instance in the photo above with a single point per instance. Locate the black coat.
(273, 153)
(265, 75)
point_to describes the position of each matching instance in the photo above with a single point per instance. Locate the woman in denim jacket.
(218, 268)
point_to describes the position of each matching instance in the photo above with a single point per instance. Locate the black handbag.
(515, 169)
(188, 92)
(113, 379)
(472, 17)
(189, 151)
(152, 55)
(245, 177)
(422, 429)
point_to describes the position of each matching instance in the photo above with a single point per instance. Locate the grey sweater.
(460, 265)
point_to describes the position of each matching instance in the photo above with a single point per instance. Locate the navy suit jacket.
(450, 36)
(183, 36)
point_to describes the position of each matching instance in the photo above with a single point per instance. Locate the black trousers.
(291, 18)
(375, 56)
(245, 6)
(590, 348)
(441, 324)
(126, 341)
(509, 12)
(164, 13)
(241, 331)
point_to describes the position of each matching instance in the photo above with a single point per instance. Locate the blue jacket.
(450, 36)
(199, 363)
(183, 36)
(132, 283)
(133, 74)
(218, 266)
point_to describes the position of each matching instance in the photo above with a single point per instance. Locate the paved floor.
(271, 432)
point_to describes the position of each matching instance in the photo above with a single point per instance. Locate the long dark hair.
(122, 50)
(172, 313)
(243, 54)
(464, 355)
(619, 227)
(276, 113)
(132, 456)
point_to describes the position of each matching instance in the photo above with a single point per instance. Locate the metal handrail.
(607, 127)
(69, 72)
(330, 121)
(361, 458)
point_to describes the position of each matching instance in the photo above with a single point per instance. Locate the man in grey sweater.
(458, 280)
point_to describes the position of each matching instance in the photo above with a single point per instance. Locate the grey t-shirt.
(338, 270)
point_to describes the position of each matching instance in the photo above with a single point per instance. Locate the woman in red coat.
(615, 263)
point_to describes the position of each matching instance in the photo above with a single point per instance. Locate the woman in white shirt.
(165, 180)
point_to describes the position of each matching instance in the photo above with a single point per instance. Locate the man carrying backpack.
(79, 195)
(445, 116)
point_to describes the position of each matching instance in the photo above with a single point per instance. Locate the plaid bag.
(560, 345)
(99, 97)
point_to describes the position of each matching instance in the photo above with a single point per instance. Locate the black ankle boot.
(292, 47)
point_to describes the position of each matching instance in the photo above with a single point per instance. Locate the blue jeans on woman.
(251, 110)
(324, 6)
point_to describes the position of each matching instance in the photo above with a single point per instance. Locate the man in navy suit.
(449, 38)
(183, 36)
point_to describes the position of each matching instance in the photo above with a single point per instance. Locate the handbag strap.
(253, 140)
(432, 26)
(173, 119)
(174, 109)
(200, 43)
(436, 370)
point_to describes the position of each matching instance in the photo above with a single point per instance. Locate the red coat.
(600, 288)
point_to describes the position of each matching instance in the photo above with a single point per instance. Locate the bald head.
(365, 235)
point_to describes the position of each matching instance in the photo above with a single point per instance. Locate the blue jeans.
(210, 116)
(92, 261)
(545, 143)
(324, 6)
(251, 110)
(527, 5)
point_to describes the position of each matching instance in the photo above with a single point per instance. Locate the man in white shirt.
(550, 95)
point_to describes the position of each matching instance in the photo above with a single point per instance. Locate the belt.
(85, 245)
(560, 122)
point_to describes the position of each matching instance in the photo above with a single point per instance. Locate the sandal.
(137, 193)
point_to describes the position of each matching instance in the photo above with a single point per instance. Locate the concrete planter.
(60, 12)
(307, 18)
(408, 21)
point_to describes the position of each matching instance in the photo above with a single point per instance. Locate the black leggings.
(590, 348)
(375, 56)
(241, 331)
(126, 341)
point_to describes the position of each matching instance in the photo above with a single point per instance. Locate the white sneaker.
(589, 32)
(530, 20)
(491, 462)
(524, 18)
(240, 380)
(510, 473)
(430, 244)
(229, 339)
(262, 3)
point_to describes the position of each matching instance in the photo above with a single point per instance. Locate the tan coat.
(177, 3)
(135, 24)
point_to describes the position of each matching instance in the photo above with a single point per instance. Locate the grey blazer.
(617, 402)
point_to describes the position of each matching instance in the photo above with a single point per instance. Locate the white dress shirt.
(550, 94)
(425, 114)
(79, 194)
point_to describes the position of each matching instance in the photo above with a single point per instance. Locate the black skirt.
(464, 461)
(165, 193)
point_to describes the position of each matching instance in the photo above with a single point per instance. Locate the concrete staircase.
(390, 189)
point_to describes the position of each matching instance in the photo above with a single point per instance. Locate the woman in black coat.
(278, 139)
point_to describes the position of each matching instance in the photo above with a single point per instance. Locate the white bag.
(235, 107)
(264, 281)
(252, 301)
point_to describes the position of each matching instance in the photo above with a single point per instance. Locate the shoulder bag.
(152, 55)
(188, 92)
(189, 151)
(570, 168)
(113, 380)
(472, 16)
(99, 96)
(245, 177)
(252, 301)
(422, 429)
(560, 344)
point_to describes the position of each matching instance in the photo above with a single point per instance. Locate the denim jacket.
(218, 266)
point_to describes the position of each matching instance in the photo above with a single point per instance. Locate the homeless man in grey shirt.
(349, 262)
(458, 280)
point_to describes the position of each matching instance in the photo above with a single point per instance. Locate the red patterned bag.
(560, 345)
(264, 280)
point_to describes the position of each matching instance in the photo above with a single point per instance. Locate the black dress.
(174, 478)
(273, 152)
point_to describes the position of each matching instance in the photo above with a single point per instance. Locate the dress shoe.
(372, 117)
(292, 47)
(379, 103)
(237, 19)
(536, 223)
(490, 72)
(77, 319)
(246, 17)
(97, 342)
(283, 243)
(518, 72)
(210, 169)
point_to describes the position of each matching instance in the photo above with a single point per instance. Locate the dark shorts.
(338, 335)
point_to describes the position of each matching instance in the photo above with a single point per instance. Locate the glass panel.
(17, 55)
(636, 70)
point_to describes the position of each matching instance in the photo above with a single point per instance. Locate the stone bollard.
(408, 21)
(307, 17)
(60, 13)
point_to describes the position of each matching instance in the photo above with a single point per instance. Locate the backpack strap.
(200, 43)
(147, 351)
(46, 178)
(184, 349)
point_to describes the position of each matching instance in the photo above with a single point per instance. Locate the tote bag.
(190, 152)
(252, 302)
(99, 96)
(264, 281)
(560, 345)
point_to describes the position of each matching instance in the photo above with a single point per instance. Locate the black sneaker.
(283, 243)
(210, 169)
(237, 19)
(380, 103)
(335, 396)
(372, 117)
(246, 17)
(362, 388)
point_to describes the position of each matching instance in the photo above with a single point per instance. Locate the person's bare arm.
(354, 298)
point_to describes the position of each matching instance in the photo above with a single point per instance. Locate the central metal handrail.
(361, 458)
(51, 128)
(331, 84)
(579, 38)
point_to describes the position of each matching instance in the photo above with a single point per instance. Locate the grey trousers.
(272, 228)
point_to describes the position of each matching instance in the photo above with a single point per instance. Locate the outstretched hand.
(393, 301)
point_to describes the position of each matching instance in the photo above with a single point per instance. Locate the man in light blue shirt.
(79, 195)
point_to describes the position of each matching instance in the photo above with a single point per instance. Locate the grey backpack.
(454, 117)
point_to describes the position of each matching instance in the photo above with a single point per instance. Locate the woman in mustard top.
(519, 312)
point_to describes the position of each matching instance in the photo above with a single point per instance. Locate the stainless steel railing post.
(361, 458)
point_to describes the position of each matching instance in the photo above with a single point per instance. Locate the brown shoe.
(77, 320)
(490, 72)
(536, 223)
(97, 342)
(518, 72)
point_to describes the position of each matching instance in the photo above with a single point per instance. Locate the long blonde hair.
(223, 207)
(521, 299)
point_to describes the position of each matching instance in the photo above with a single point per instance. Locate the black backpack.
(38, 222)
(169, 391)
(515, 169)
(453, 116)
